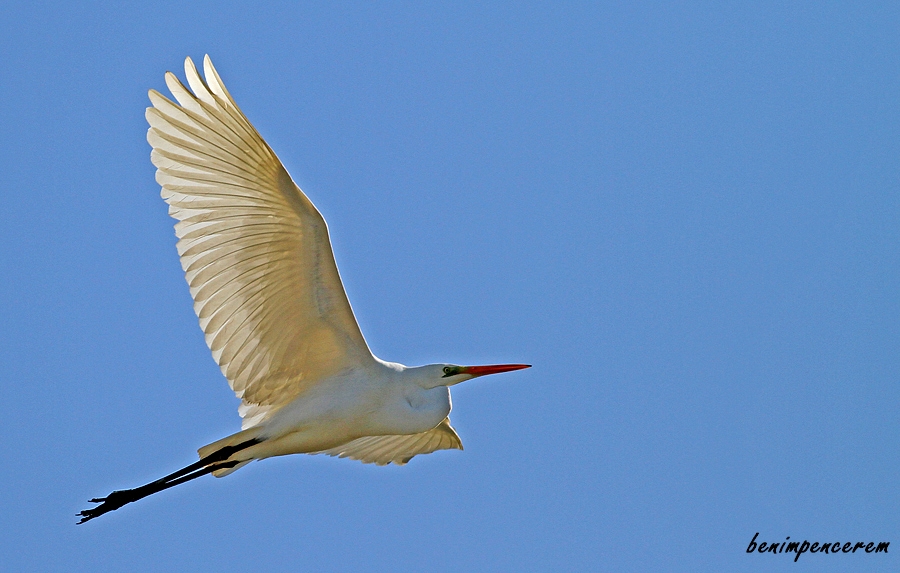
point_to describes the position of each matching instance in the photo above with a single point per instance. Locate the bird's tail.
(241, 437)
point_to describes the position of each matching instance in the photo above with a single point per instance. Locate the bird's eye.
(446, 370)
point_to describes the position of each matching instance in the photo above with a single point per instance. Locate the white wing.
(254, 249)
(382, 450)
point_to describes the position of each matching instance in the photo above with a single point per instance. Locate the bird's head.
(451, 374)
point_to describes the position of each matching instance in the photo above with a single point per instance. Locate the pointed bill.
(492, 369)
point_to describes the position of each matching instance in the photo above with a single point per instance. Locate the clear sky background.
(685, 215)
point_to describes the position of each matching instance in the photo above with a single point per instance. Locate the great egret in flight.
(256, 254)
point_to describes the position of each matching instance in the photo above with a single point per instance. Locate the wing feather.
(399, 449)
(254, 249)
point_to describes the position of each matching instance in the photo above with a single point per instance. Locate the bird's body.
(382, 400)
(258, 260)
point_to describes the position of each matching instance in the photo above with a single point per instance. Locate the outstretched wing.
(399, 449)
(254, 249)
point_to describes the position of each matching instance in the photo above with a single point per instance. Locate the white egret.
(256, 254)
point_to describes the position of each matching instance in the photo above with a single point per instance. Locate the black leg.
(212, 462)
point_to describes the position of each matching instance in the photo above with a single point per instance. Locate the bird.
(258, 261)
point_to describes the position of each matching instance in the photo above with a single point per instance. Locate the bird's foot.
(113, 501)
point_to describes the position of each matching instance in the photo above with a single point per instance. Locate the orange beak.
(492, 369)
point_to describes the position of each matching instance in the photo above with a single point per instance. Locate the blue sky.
(683, 214)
